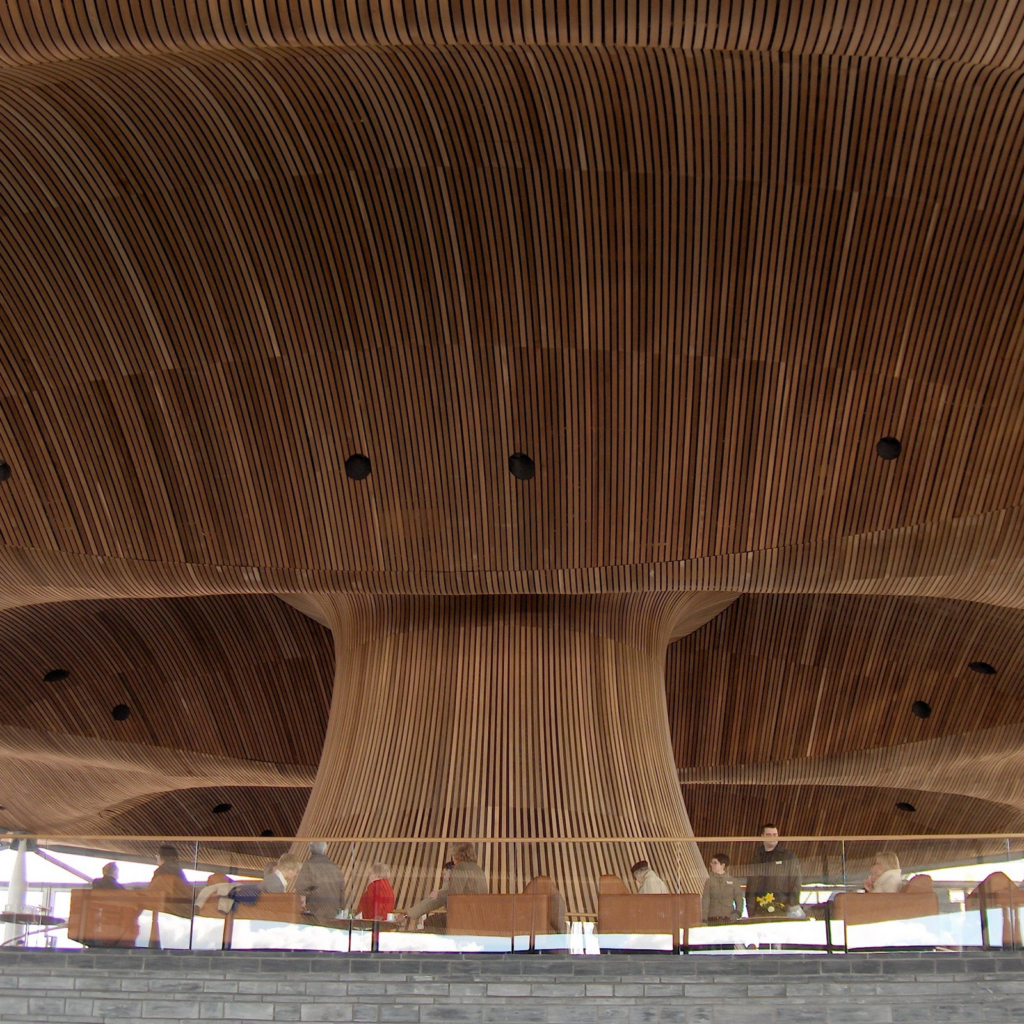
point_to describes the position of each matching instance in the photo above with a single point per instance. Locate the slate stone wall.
(122, 986)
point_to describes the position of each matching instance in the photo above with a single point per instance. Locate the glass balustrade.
(698, 897)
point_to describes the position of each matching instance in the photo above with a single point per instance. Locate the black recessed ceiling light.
(904, 806)
(982, 668)
(357, 467)
(888, 448)
(222, 808)
(56, 675)
(5, 471)
(921, 708)
(521, 466)
(267, 832)
(120, 712)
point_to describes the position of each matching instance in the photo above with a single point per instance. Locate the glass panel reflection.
(735, 896)
(768, 893)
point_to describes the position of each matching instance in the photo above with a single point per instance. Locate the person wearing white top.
(889, 881)
(647, 882)
(885, 874)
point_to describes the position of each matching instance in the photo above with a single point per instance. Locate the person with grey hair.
(321, 884)
(108, 880)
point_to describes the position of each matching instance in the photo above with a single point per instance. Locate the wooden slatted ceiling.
(792, 808)
(694, 258)
(960, 31)
(783, 699)
(777, 677)
(983, 764)
(242, 677)
(266, 260)
(73, 784)
(190, 811)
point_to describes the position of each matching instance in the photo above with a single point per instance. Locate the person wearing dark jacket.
(108, 879)
(773, 869)
(167, 864)
(321, 884)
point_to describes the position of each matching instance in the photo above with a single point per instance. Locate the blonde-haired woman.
(885, 873)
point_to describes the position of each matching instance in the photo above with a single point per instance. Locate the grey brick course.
(153, 986)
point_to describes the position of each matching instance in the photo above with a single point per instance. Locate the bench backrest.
(104, 917)
(874, 907)
(634, 914)
(500, 914)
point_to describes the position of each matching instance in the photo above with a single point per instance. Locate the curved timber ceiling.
(694, 259)
(220, 691)
(816, 693)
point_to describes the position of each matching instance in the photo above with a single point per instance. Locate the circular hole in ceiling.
(921, 708)
(521, 466)
(267, 832)
(56, 675)
(120, 712)
(904, 806)
(5, 471)
(982, 668)
(222, 808)
(888, 448)
(357, 467)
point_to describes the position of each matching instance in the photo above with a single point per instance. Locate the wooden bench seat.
(538, 910)
(621, 912)
(104, 917)
(110, 917)
(917, 899)
(505, 914)
(998, 892)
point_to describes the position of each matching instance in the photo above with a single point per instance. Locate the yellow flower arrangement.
(769, 904)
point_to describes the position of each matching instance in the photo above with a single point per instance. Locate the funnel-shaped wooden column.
(506, 717)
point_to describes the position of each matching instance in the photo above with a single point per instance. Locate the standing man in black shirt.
(773, 869)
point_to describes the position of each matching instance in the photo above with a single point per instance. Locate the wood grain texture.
(695, 258)
(75, 784)
(512, 717)
(213, 675)
(227, 691)
(786, 677)
(271, 255)
(811, 694)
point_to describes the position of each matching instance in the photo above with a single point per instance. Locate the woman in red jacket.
(379, 898)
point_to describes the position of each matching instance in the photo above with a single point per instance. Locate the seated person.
(720, 902)
(167, 864)
(108, 878)
(281, 874)
(438, 920)
(885, 874)
(467, 879)
(378, 900)
(277, 876)
(647, 882)
(321, 885)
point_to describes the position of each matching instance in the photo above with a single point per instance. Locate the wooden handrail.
(599, 840)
